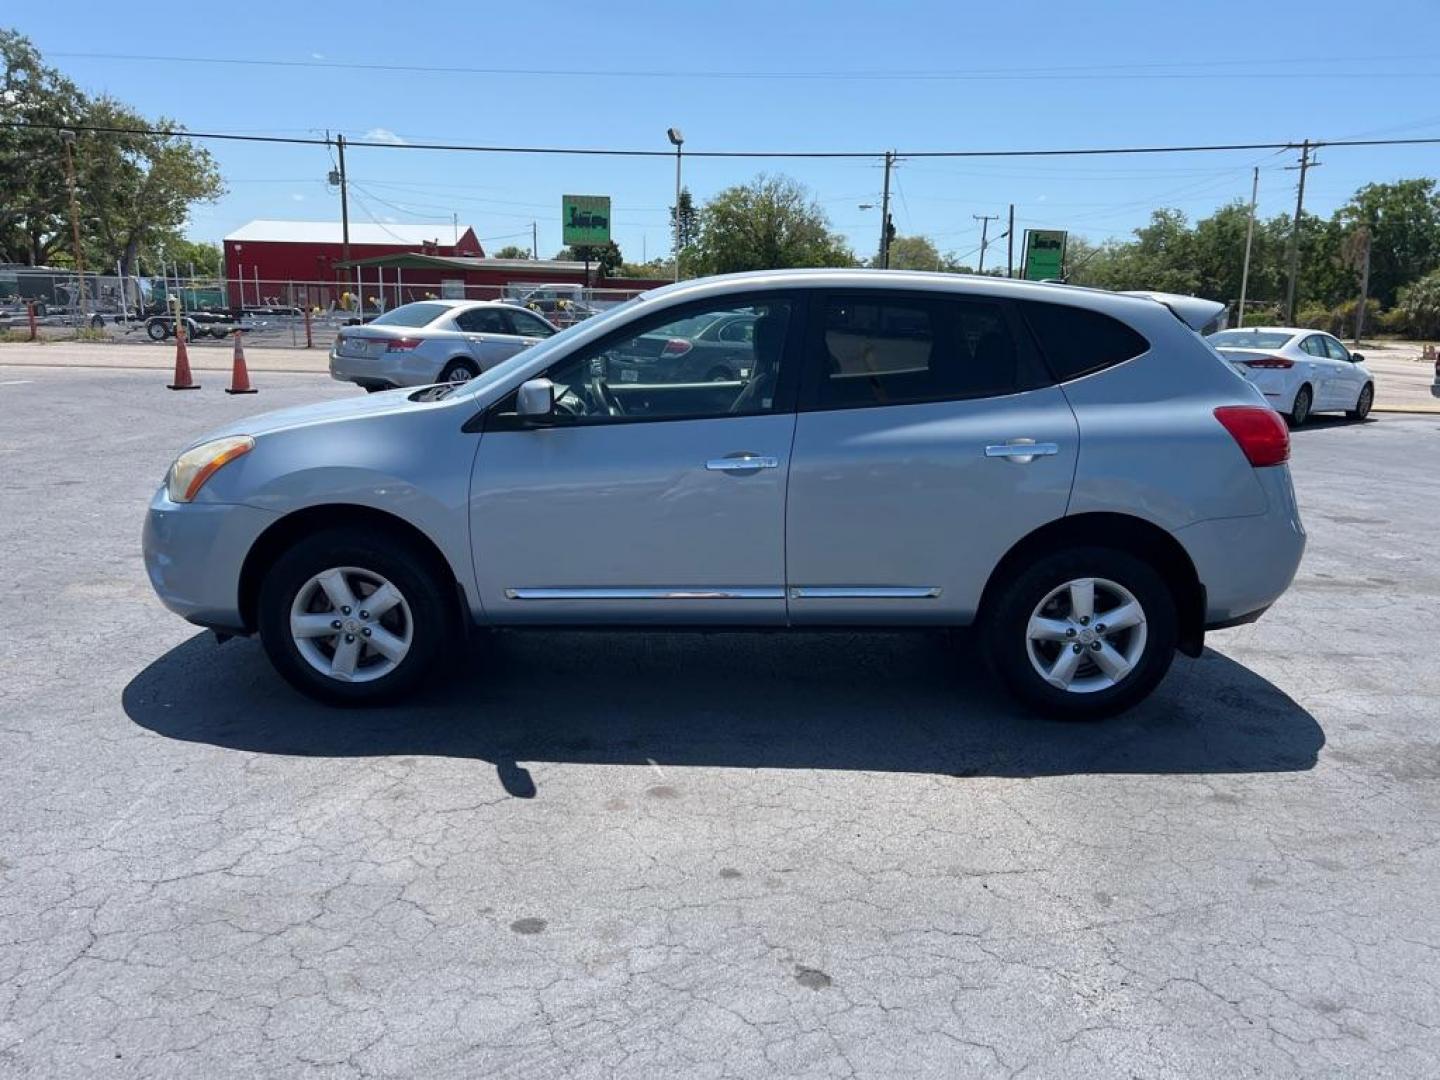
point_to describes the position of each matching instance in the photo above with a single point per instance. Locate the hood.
(386, 401)
(1202, 316)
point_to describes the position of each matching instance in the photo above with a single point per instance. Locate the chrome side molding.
(864, 592)
(703, 593)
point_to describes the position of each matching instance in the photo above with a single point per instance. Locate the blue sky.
(1021, 74)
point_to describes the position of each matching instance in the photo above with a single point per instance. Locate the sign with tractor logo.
(585, 220)
(1044, 255)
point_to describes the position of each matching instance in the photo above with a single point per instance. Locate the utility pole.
(68, 138)
(1010, 244)
(1364, 284)
(1249, 238)
(1304, 166)
(885, 213)
(984, 220)
(345, 212)
(534, 240)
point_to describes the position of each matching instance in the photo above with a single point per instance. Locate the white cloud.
(297, 196)
(380, 134)
(1041, 198)
(317, 56)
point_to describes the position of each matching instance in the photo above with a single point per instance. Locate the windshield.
(503, 370)
(411, 315)
(1250, 339)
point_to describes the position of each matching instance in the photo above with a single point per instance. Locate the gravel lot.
(705, 856)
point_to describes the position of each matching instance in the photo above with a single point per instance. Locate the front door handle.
(742, 463)
(1021, 451)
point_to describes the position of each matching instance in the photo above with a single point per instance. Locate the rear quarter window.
(1076, 341)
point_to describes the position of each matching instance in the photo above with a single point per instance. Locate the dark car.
(707, 348)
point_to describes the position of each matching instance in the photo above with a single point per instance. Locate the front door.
(655, 499)
(929, 441)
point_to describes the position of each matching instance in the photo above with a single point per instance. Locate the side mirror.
(536, 399)
(1357, 358)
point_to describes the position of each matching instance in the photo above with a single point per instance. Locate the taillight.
(676, 346)
(403, 344)
(1260, 433)
(1279, 363)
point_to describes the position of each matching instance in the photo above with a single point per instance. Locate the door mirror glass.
(1357, 358)
(536, 399)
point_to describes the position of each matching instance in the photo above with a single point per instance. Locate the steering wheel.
(604, 396)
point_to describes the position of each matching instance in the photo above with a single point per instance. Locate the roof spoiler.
(1202, 316)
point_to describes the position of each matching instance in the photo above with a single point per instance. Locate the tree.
(512, 251)
(134, 190)
(913, 253)
(606, 257)
(689, 220)
(768, 224)
(1404, 223)
(1419, 306)
(174, 250)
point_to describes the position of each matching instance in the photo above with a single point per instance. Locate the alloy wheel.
(1086, 635)
(351, 624)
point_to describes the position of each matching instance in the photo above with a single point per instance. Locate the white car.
(433, 341)
(1299, 371)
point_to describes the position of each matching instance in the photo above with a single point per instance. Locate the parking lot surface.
(726, 855)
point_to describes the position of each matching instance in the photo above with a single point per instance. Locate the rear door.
(929, 440)
(488, 335)
(1322, 371)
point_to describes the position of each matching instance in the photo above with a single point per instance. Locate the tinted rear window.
(1076, 341)
(1249, 339)
(411, 315)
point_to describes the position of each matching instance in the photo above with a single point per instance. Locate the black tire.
(1300, 409)
(157, 330)
(379, 553)
(97, 322)
(452, 371)
(1006, 639)
(194, 331)
(1362, 403)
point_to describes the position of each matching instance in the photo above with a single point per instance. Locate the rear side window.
(890, 352)
(1076, 341)
(483, 321)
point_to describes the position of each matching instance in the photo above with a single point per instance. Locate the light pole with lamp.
(68, 138)
(678, 141)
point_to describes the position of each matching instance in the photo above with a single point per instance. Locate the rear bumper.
(386, 371)
(1246, 563)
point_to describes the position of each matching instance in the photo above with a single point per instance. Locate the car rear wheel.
(1083, 633)
(1362, 403)
(157, 330)
(459, 371)
(352, 620)
(1300, 409)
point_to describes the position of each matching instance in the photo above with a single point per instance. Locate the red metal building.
(268, 261)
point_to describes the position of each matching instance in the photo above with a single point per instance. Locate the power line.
(1267, 68)
(876, 155)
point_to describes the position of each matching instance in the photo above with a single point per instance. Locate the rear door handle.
(742, 463)
(1021, 451)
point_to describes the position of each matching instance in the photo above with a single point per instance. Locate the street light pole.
(68, 138)
(1249, 239)
(677, 139)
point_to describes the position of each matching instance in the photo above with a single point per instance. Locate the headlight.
(192, 468)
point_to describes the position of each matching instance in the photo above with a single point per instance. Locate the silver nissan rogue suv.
(1074, 471)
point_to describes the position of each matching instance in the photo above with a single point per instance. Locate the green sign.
(585, 220)
(1044, 254)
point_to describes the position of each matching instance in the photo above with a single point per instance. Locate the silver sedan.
(433, 341)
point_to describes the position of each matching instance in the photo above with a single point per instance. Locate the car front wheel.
(1082, 633)
(352, 620)
(1362, 403)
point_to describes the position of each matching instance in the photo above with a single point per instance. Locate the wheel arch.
(1123, 532)
(301, 523)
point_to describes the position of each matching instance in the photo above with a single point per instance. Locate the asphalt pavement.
(722, 855)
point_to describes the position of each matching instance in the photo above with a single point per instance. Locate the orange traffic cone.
(239, 377)
(183, 379)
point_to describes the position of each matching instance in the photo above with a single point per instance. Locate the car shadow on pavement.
(878, 702)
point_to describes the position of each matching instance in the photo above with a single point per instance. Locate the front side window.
(881, 351)
(1336, 350)
(657, 372)
(529, 325)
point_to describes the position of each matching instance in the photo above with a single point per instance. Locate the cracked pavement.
(725, 855)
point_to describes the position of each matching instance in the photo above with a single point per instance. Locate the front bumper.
(194, 553)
